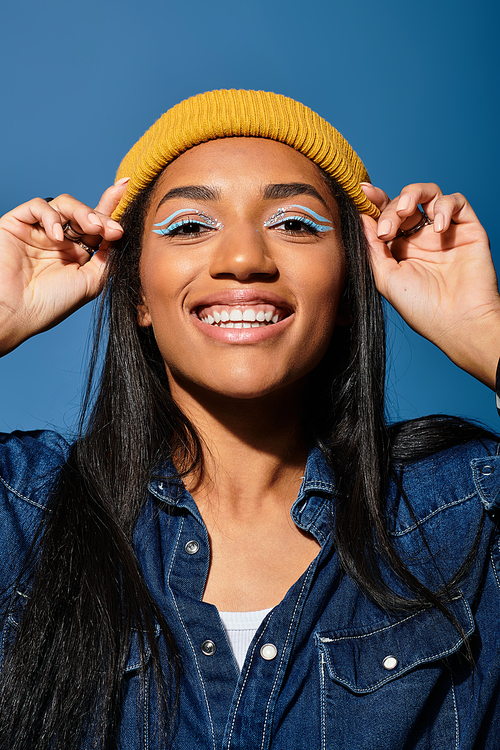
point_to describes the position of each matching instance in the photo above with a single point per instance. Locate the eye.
(188, 227)
(298, 225)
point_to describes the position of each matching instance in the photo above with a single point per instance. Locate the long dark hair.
(83, 570)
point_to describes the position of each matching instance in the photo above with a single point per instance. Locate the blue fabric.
(330, 685)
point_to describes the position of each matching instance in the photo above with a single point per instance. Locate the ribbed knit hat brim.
(233, 113)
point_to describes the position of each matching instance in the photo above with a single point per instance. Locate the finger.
(37, 211)
(403, 212)
(382, 261)
(90, 225)
(451, 208)
(376, 195)
(112, 196)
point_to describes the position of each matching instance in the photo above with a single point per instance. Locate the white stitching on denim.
(460, 597)
(493, 565)
(247, 673)
(433, 657)
(283, 651)
(438, 510)
(322, 688)
(457, 724)
(23, 497)
(188, 637)
(145, 737)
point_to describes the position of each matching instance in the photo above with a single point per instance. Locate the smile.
(241, 316)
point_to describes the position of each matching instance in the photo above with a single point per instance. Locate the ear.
(143, 316)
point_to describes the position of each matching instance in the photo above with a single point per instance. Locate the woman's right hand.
(44, 277)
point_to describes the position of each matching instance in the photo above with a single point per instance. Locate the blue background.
(414, 88)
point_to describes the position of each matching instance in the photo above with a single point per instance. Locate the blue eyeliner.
(313, 213)
(280, 216)
(203, 220)
(307, 222)
(172, 216)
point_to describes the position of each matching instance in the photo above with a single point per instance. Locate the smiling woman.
(237, 551)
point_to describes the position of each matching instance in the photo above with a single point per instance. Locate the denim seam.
(145, 730)
(424, 660)
(292, 622)
(23, 497)
(322, 688)
(388, 627)
(188, 636)
(438, 510)
(404, 671)
(495, 573)
(457, 724)
(247, 674)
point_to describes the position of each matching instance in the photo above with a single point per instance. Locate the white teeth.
(239, 317)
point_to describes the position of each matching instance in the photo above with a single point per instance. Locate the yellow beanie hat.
(229, 113)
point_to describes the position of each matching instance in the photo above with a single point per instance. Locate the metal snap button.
(192, 547)
(487, 470)
(269, 651)
(390, 662)
(208, 648)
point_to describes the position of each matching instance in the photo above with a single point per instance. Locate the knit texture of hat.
(229, 113)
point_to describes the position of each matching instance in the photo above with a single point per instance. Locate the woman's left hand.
(440, 279)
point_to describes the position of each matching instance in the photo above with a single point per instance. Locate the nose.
(243, 254)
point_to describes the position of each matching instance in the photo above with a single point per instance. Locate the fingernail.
(122, 181)
(58, 232)
(439, 222)
(384, 227)
(403, 202)
(113, 224)
(94, 219)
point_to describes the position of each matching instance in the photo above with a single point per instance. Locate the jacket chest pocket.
(387, 687)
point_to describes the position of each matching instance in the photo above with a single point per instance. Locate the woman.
(234, 471)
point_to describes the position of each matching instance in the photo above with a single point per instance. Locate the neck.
(253, 450)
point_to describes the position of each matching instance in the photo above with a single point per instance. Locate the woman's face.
(242, 268)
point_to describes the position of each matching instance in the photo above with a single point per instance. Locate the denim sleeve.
(29, 463)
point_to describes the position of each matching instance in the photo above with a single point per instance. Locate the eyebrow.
(291, 189)
(194, 192)
(270, 192)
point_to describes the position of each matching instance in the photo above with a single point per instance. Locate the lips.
(241, 315)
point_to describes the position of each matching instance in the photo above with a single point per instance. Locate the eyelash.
(174, 229)
(307, 225)
(310, 226)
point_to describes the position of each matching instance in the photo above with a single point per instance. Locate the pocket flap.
(365, 659)
(134, 654)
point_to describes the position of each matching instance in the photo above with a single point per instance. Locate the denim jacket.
(327, 669)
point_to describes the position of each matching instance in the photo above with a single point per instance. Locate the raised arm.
(440, 278)
(44, 276)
